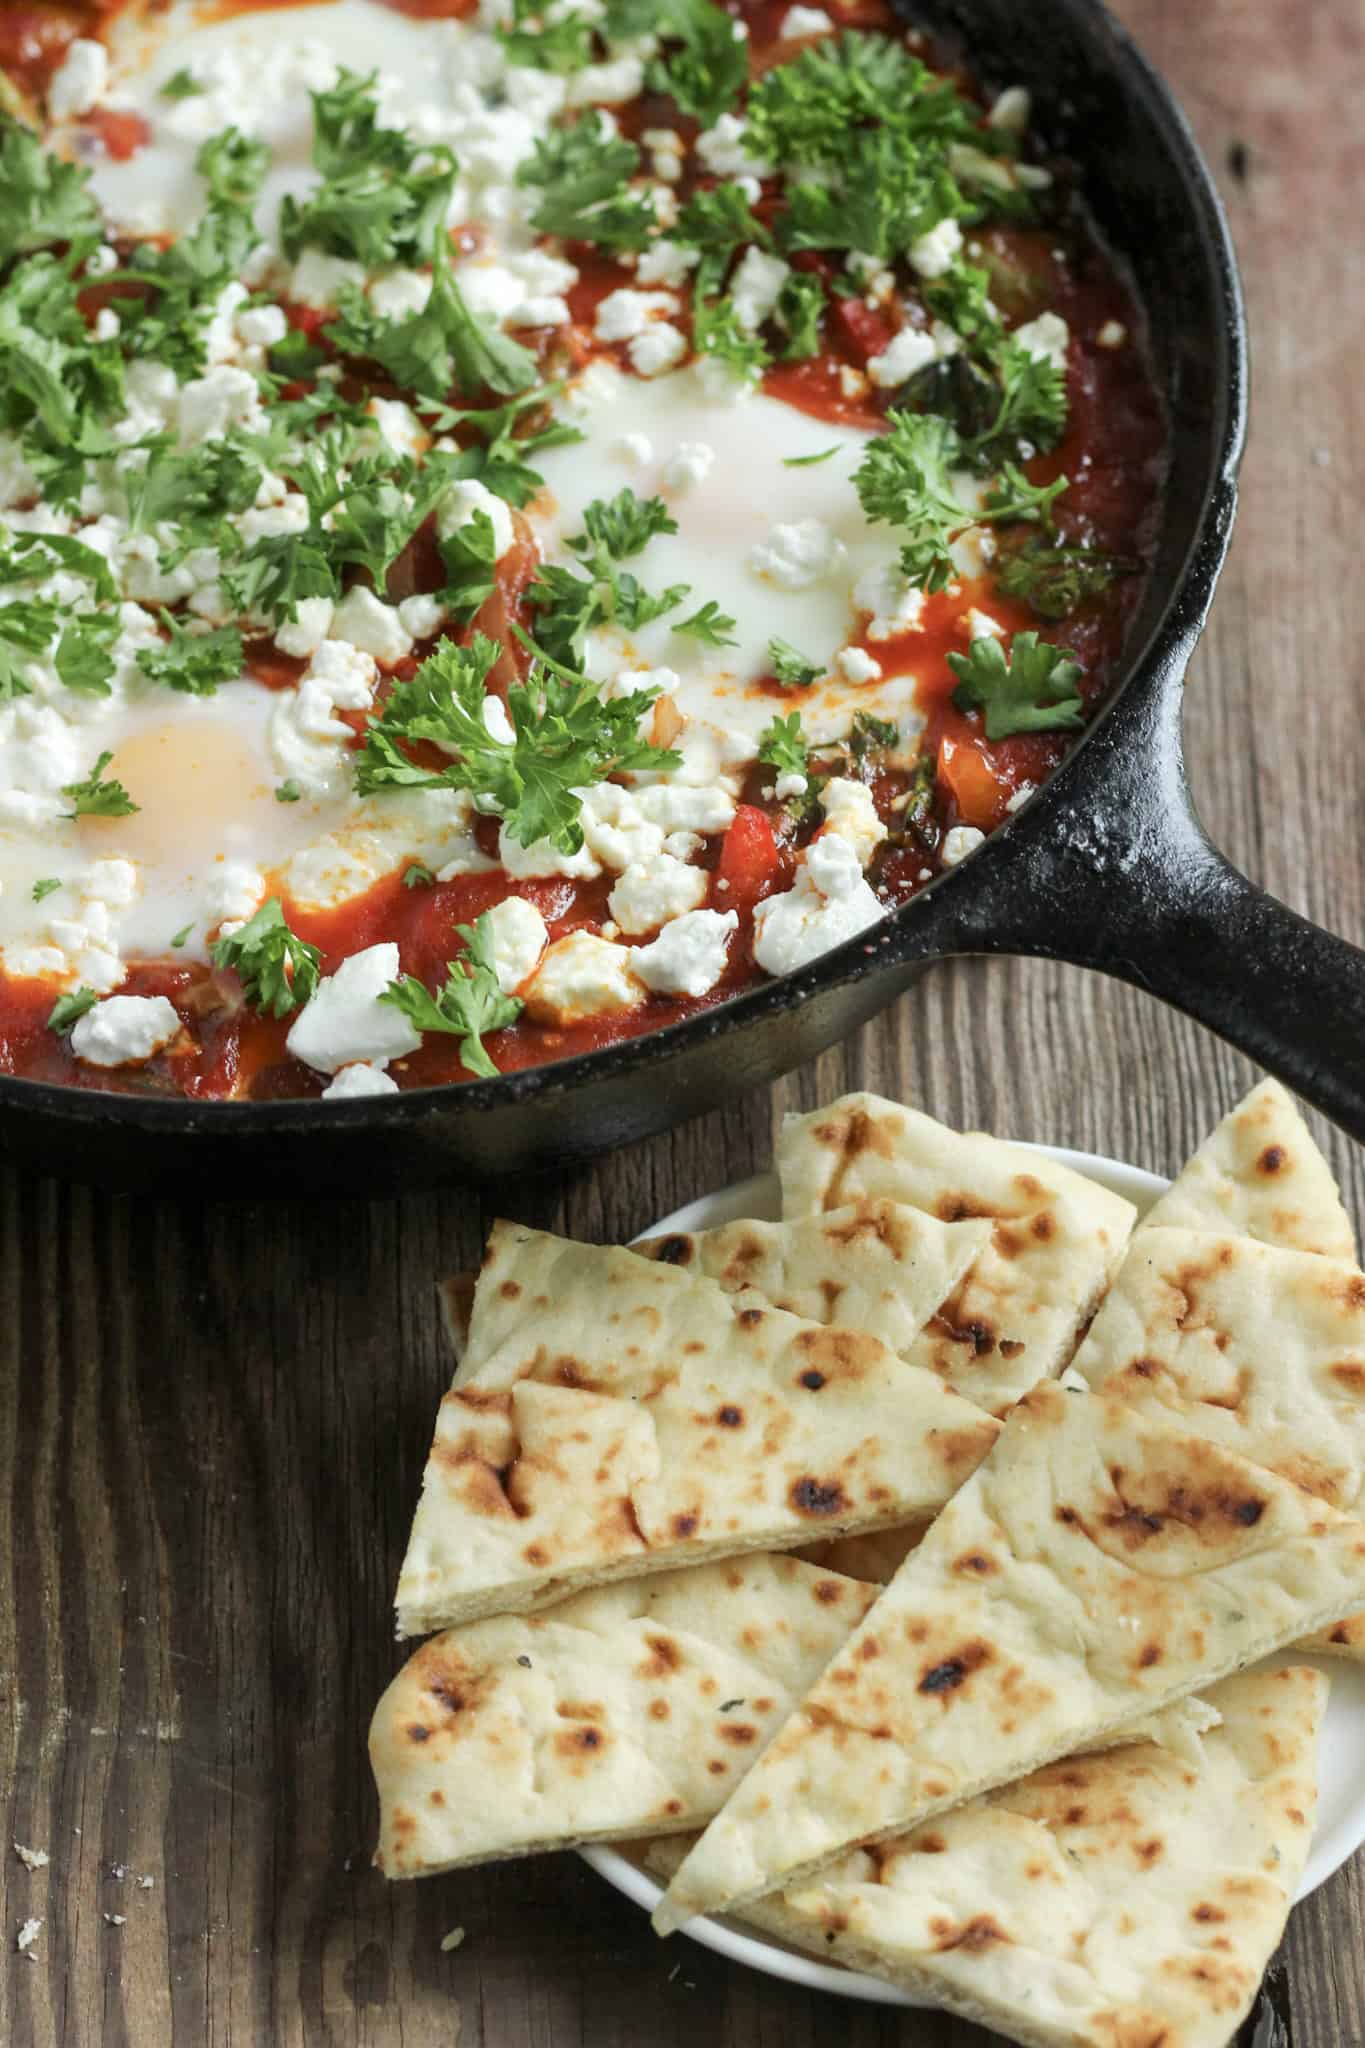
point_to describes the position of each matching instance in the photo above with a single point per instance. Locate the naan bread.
(879, 1266)
(1259, 1349)
(1056, 1237)
(629, 1710)
(612, 1417)
(1260, 1175)
(1129, 1900)
(1101, 1564)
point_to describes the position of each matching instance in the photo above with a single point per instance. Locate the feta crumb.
(659, 348)
(32, 1859)
(399, 294)
(905, 354)
(1113, 334)
(1011, 110)
(421, 615)
(856, 665)
(452, 1940)
(519, 936)
(624, 313)
(756, 287)
(28, 1934)
(850, 811)
(723, 151)
(652, 891)
(805, 21)
(1047, 336)
(81, 81)
(348, 1084)
(959, 842)
(583, 976)
(637, 449)
(831, 902)
(666, 263)
(107, 326)
(1021, 796)
(981, 626)
(344, 1020)
(932, 255)
(852, 383)
(262, 326)
(124, 1029)
(690, 463)
(543, 858)
(459, 504)
(363, 620)
(797, 556)
(791, 782)
(318, 280)
(688, 957)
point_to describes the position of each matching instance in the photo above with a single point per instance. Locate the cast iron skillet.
(1108, 866)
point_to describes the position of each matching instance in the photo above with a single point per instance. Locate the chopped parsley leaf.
(470, 1005)
(792, 668)
(42, 199)
(444, 347)
(182, 935)
(288, 791)
(1034, 692)
(182, 85)
(95, 798)
(569, 602)
(710, 625)
(83, 660)
(1054, 581)
(193, 662)
(585, 173)
(382, 198)
(783, 745)
(278, 970)
(809, 461)
(706, 76)
(45, 887)
(68, 1008)
(416, 876)
(905, 479)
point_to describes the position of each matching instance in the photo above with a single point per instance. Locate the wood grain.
(213, 1420)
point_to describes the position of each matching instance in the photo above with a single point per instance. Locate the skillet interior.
(1098, 102)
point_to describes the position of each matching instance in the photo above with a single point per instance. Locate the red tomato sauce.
(1112, 454)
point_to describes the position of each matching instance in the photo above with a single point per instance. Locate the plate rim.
(764, 1953)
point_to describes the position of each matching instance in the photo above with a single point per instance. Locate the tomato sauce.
(1112, 454)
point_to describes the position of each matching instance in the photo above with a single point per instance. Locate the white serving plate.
(1341, 1801)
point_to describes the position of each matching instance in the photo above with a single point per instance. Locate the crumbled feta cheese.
(688, 957)
(850, 811)
(399, 294)
(959, 842)
(856, 665)
(830, 903)
(1113, 334)
(981, 626)
(360, 1078)
(124, 1029)
(756, 287)
(805, 21)
(691, 463)
(655, 890)
(852, 382)
(344, 1020)
(896, 605)
(677, 806)
(27, 1935)
(459, 504)
(234, 891)
(107, 324)
(422, 615)
(637, 449)
(904, 355)
(932, 255)
(624, 313)
(212, 405)
(80, 82)
(542, 858)
(790, 783)
(262, 326)
(519, 937)
(582, 976)
(722, 150)
(593, 389)
(659, 348)
(1047, 336)
(666, 263)
(304, 634)
(318, 280)
(309, 742)
(607, 85)
(796, 557)
(399, 426)
(365, 621)
(1021, 797)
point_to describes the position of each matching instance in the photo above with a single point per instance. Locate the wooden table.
(213, 1420)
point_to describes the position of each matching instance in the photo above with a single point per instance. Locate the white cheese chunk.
(798, 556)
(905, 354)
(541, 858)
(360, 1078)
(583, 976)
(305, 633)
(624, 313)
(80, 82)
(756, 287)
(829, 904)
(365, 621)
(666, 263)
(959, 842)
(856, 665)
(690, 463)
(519, 938)
(932, 255)
(805, 21)
(344, 1021)
(850, 811)
(1048, 336)
(661, 347)
(688, 957)
(652, 891)
(317, 280)
(124, 1029)
(459, 504)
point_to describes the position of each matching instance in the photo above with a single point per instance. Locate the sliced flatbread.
(1056, 1237)
(1101, 1564)
(613, 1417)
(1260, 1349)
(878, 1266)
(1124, 1900)
(630, 1710)
(1260, 1175)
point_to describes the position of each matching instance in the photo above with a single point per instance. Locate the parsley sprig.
(382, 198)
(470, 1005)
(1035, 691)
(278, 970)
(96, 798)
(570, 602)
(584, 173)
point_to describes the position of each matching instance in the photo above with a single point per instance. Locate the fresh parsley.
(417, 876)
(470, 1005)
(707, 73)
(783, 746)
(181, 85)
(69, 1008)
(195, 663)
(45, 887)
(1035, 691)
(278, 970)
(42, 199)
(84, 659)
(1054, 581)
(584, 173)
(288, 791)
(182, 935)
(794, 670)
(710, 625)
(27, 629)
(445, 347)
(569, 602)
(809, 461)
(96, 798)
(905, 479)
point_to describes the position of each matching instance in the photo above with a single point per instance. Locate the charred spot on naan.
(851, 1136)
(981, 1932)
